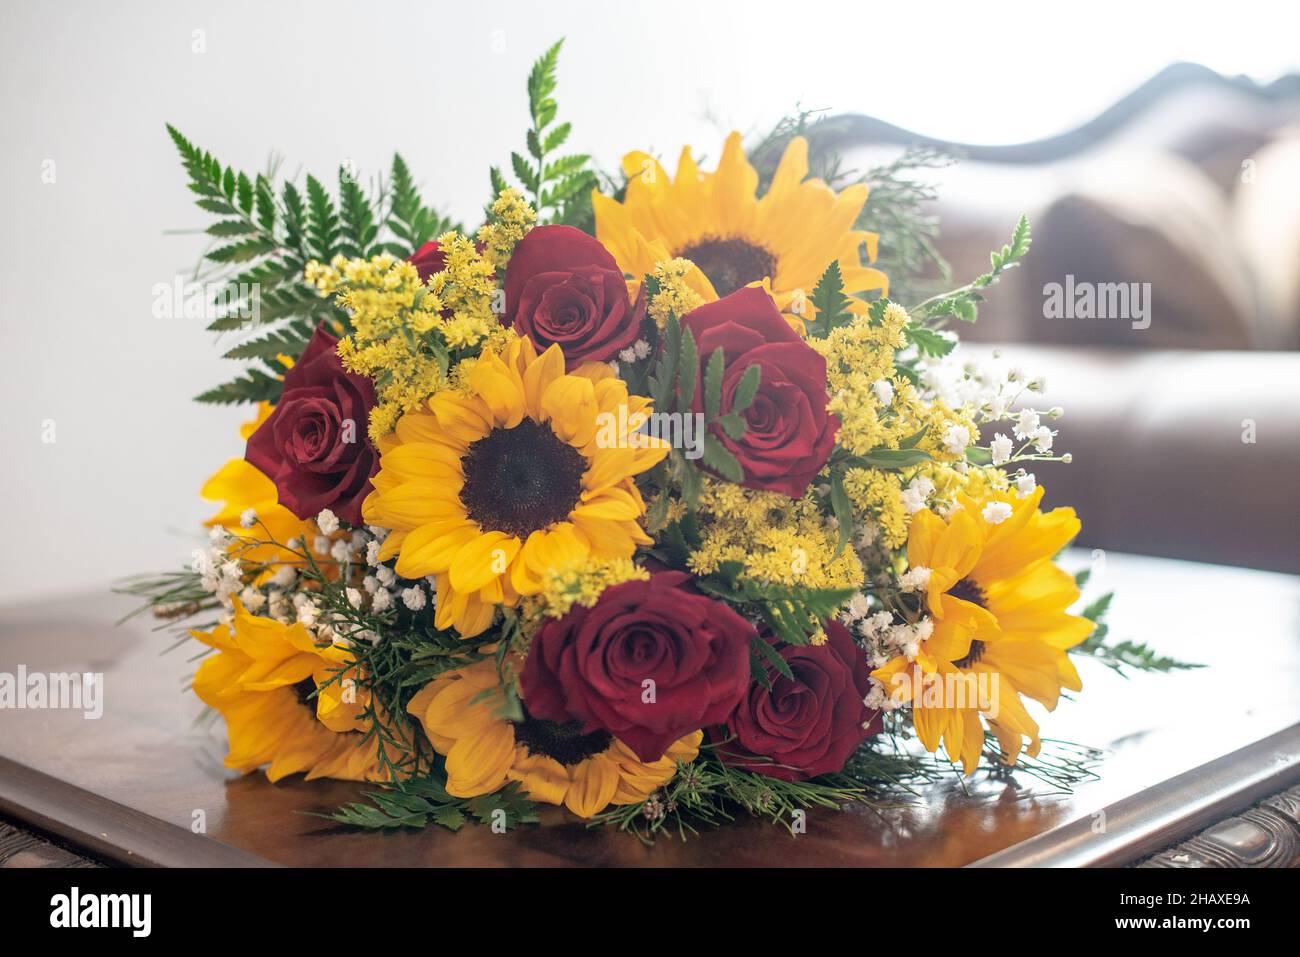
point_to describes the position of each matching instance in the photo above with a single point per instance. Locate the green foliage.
(421, 802)
(1138, 656)
(901, 193)
(672, 386)
(264, 236)
(963, 302)
(253, 385)
(883, 459)
(929, 342)
(708, 793)
(792, 613)
(887, 460)
(842, 509)
(897, 209)
(831, 303)
(560, 186)
(408, 218)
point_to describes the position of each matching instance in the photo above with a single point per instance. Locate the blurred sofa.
(1185, 434)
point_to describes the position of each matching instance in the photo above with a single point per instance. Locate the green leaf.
(1098, 608)
(448, 816)
(534, 145)
(565, 166)
(424, 801)
(290, 341)
(792, 612)
(766, 651)
(556, 137)
(929, 342)
(688, 371)
(689, 477)
(561, 188)
(890, 460)
(254, 386)
(231, 227)
(734, 424)
(541, 82)
(409, 219)
(525, 173)
(244, 190)
(242, 251)
(829, 300)
(913, 440)
(843, 510)
(322, 222)
(747, 388)
(267, 214)
(719, 458)
(357, 226)
(713, 384)
(664, 378)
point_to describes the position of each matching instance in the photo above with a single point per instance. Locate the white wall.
(89, 85)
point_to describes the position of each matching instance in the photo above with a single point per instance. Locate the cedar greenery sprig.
(897, 209)
(265, 235)
(561, 186)
(1135, 655)
(901, 192)
(707, 793)
(963, 302)
(420, 802)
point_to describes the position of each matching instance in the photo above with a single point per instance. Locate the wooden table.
(129, 786)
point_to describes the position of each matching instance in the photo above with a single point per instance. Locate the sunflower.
(532, 469)
(555, 763)
(784, 240)
(998, 607)
(288, 702)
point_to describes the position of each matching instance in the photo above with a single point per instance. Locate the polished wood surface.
(146, 754)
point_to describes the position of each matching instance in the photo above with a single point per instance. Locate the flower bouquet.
(647, 498)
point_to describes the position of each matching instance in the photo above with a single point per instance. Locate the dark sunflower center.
(975, 654)
(730, 264)
(973, 593)
(967, 590)
(304, 690)
(564, 742)
(522, 479)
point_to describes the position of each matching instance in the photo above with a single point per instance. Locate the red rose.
(562, 286)
(428, 259)
(789, 434)
(649, 662)
(314, 445)
(810, 725)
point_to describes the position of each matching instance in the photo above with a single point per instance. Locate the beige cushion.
(1266, 224)
(1146, 217)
